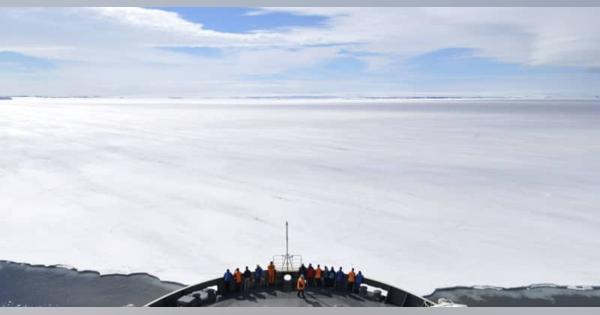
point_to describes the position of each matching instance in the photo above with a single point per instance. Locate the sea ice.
(420, 194)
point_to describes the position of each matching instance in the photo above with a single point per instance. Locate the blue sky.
(12, 61)
(241, 20)
(221, 52)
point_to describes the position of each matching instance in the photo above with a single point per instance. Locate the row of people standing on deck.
(242, 281)
(329, 278)
(311, 277)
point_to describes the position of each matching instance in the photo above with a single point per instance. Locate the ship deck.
(315, 297)
(214, 293)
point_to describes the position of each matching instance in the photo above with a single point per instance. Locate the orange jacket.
(351, 277)
(271, 270)
(318, 272)
(301, 284)
(237, 277)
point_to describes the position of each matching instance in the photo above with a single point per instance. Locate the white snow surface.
(420, 194)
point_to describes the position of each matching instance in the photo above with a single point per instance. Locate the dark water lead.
(37, 285)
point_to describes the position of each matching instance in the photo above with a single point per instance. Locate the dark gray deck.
(314, 298)
(213, 293)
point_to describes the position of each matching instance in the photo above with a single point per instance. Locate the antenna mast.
(286, 261)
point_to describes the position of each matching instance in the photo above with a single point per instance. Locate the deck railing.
(292, 263)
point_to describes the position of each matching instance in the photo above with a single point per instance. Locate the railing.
(170, 299)
(395, 296)
(288, 265)
(399, 297)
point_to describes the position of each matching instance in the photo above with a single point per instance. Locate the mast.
(286, 261)
(287, 253)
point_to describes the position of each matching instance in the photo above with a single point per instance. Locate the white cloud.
(116, 47)
(554, 36)
(152, 19)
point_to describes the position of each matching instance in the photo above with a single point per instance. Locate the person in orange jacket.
(351, 279)
(318, 276)
(237, 278)
(300, 286)
(271, 273)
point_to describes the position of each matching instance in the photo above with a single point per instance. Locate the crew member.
(318, 275)
(302, 270)
(271, 272)
(359, 280)
(258, 277)
(351, 279)
(340, 278)
(331, 277)
(227, 279)
(247, 277)
(300, 286)
(237, 278)
(310, 276)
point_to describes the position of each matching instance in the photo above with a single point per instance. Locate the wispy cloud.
(107, 49)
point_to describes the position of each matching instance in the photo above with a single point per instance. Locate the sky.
(345, 52)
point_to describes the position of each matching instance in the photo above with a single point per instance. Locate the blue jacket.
(227, 277)
(331, 274)
(302, 271)
(340, 275)
(258, 272)
(359, 278)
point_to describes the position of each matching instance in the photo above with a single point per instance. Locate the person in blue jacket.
(258, 277)
(331, 277)
(325, 273)
(227, 279)
(340, 278)
(359, 280)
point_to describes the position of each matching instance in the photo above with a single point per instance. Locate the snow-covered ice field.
(421, 194)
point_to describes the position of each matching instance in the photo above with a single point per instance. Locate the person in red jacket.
(310, 275)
